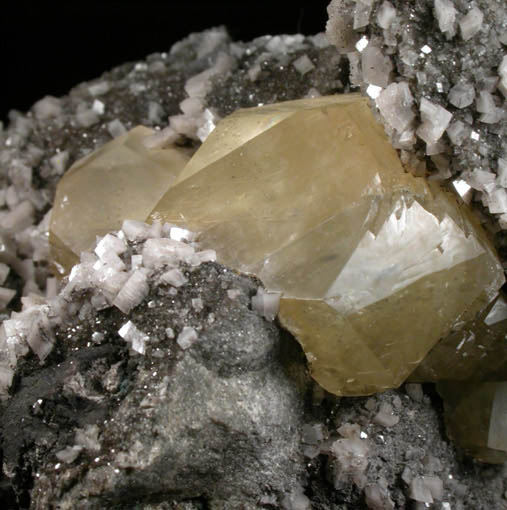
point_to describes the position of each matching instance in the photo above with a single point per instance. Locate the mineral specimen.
(204, 409)
(104, 188)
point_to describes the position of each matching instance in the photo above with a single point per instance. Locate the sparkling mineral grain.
(121, 180)
(374, 266)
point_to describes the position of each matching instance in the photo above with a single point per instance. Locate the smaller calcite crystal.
(476, 417)
(470, 367)
(474, 350)
(121, 180)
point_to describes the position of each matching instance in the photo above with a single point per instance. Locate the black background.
(50, 46)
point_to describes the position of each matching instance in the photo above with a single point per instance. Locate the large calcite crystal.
(374, 265)
(121, 180)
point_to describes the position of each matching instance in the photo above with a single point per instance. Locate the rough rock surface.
(101, 427)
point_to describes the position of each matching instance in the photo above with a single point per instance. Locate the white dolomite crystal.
(187, 337)
(159, 252)
(136, 338)
(48, 107)
(386, 14)
(116, 128)
(59, 162)
(376, 66)
(458, 132)
(462, 95)
(174, 277)
(133, 292)
(69, 454)
(497, 201)
(303, 64)
(471, 24)
(19, 218)
(485, 103)
(446, 15)
(266, 304)
(136, 231)
(362, 13)
(395, 105)
(502, 172)
(435, 121)
(100, 88)
(110, 243)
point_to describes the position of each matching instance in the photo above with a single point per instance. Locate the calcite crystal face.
(474, 351)
(121, 180)
(374, 266)
(475, 417)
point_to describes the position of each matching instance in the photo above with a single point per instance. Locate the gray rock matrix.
(219, 421)
(233, 421)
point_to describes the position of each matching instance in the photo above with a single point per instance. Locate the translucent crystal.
(474, 351)
(121, 180)
(476, 417)
(310, 197)
(471, 365)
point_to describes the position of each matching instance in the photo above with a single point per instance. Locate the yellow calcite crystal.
(475, 350)
(470, 368)
(374, 265)
(121, 180)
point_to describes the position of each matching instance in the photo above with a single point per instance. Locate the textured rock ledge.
(155, 398)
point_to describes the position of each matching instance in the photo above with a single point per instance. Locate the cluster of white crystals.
(23, 224)
(196, 120)
(118, 273)
(434, 84)
(351, 449)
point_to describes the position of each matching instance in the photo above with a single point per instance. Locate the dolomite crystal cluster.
(310, 197)
(437, 75)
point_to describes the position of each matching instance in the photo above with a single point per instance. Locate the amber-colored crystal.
(476, 350)
(374, 265)
(123, 179)
(471, 367)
